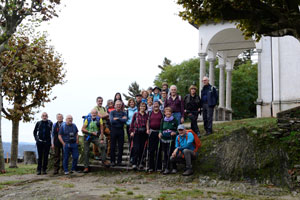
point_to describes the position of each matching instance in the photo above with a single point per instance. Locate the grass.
(129, 193)
(180, 194)
(21, 170)
(68, 185)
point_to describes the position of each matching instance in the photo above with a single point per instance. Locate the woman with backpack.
(167, 135)
(139, 132)
(130, 112)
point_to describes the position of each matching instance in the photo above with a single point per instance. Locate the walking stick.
(157, 155)
(169, 154)
(146, 143)
(147, 157)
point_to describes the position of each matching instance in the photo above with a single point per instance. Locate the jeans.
(43, 152)
(98, 145)
(73, 149)
(208, 112)
(177, 115)
(189, 155)
(117, 136)
(193, 116)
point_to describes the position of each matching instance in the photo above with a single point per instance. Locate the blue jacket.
(156, 97)
(130, 113)
(119, 123)
(185, 143)
(209, 95)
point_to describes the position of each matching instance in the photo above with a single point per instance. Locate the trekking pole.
(129, 151)
(143, 152)
(147, 157)
(168, 160)
(157, 155)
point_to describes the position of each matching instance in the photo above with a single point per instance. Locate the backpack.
(89, 118)
(197, 142)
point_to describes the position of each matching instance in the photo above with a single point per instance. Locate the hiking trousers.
(117, 136)
(189, 155)
(208, 112)
(193, 116)
(58, 156)
(100, 146)
(153, 150)
(167, 149)
(139, 140)
(43, 153)
(73, 149)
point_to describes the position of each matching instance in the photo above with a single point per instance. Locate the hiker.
(139, 132)
(155, 118)
(176, 103)
(165, 87)
(163, 99)
(138, 100)
(102, 113)
(42, 136)
(117, 120)
(209, 99)
(185, 150)
(93, 131)
(167, 135)
(68, 136)
(192, 107)
(150, 91)
(119, 97)
(156, 94)
(130, 112)
(145, 95)
(110, 105)
(56, 145)
(149, 104)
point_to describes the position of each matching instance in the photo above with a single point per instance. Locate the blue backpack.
(89, 118)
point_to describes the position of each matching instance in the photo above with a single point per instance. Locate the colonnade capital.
(211, 59)
(202, 55)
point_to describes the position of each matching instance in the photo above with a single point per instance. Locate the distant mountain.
(23, 146)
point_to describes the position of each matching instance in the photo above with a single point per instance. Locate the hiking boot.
(174, 171)
(66, 173)
(120, 164)
(134, 167)
(106, 163)
(86, 170)
(150, 170)
(112, 164)
(141, 167)
(44, 172)
(38, 173)
(167, 171)
(188, 172)
(55, 172)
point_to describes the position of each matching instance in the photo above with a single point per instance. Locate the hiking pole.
(143, 152)
(157, 155)
(147, 157)
(129, 151)
(168, 160)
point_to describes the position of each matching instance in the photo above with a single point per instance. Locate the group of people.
(153, 121)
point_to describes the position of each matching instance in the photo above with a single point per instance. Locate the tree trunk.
(14, 144)
(2, 161)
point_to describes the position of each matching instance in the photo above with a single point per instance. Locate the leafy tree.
(166, 62)
(133, 90)
(244, 58)
(12, 14)
(244, 91)
(32, 73)
(255, 17)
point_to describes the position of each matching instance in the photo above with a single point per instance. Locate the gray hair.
(173, 86)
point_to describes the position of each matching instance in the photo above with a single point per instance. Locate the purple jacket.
(177, 105)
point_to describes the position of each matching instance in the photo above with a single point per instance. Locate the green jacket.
(166, 128)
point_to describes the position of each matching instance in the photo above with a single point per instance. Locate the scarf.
(168, 119)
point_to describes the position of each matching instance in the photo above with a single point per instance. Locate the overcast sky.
(107, 45)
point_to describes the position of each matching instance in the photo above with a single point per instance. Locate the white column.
(228, 88)
(222, 86)
(202, 70)
(212, 71)
(259, 98)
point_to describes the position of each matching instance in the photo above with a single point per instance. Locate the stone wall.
(289, 120)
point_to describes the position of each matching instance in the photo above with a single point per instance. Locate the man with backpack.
(56, 145)
(42, 136)
(187, 144)
(175, 102)
(68, 136)
(93, 129)
(209, 99)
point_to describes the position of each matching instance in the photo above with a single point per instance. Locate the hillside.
(23, 146)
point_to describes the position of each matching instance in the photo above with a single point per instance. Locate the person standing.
(130, 112)
(149, 104)
(68, 136)
(209, 99)
(163, 99)
(93, 129)
(138, 100)
(155, 118)
(117, 119)
(42, 136)
(102, 113)
(167, 135)
(56, 144)
(165, 87)
(145, 95)
(192, 107)
(175, 102)
(156, 94)
(139, 132)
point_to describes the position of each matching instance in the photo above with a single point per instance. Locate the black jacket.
(41, 136)
(192, 103)
(211, 93)
(54, 135)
